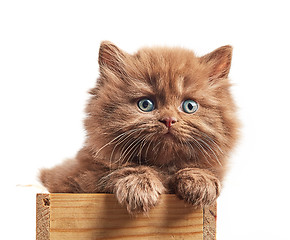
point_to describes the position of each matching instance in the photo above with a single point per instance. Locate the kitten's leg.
(60, 178)
(138, 188)
(72, 177)
(196, 186)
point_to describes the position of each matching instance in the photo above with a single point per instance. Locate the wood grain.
(99, 216)
(42, 216)
(209, 222)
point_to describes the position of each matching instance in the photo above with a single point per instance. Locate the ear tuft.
(111, 56)
(219, 62)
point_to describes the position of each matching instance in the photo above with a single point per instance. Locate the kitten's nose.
(169, 121)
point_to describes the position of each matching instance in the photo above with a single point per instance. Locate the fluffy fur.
(135, 154)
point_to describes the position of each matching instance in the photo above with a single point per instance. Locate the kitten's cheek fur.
(137, 188)
(196, 186)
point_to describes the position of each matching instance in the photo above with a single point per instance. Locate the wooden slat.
(99, 216)
(42, 216)
(209, 222)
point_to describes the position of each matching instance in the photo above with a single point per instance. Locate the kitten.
(159, 121)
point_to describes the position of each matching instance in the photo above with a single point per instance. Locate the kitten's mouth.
(169, 134)
(169, 131)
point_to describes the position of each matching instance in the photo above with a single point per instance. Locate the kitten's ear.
(111, 56)
(219, 62)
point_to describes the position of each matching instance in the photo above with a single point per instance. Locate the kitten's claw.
(196, 187)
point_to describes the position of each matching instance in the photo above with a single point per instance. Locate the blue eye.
(146, 105)
(189, 106)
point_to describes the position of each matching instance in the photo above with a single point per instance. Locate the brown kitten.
(159, 121)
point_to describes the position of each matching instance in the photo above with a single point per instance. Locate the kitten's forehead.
(172, 73)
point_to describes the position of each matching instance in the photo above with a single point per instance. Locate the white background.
(48, 61)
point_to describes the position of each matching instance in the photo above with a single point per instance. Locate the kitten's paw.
(196, 186)
(138, 193)
(136, 188)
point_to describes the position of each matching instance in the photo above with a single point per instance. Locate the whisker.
(213, 141)
(193, 151)
(201, 149)
(142, 145)
(154, 148)
(129, 133)
(213, 152)
(128, 145)
(148, 146)
(105, 145)
(185, 144)
(133, 149)
(136, 149)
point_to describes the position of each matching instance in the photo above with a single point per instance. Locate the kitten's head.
(162, 106)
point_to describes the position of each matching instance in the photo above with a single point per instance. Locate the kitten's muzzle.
(168, 121)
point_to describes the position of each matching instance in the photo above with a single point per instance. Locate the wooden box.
(99, 216)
